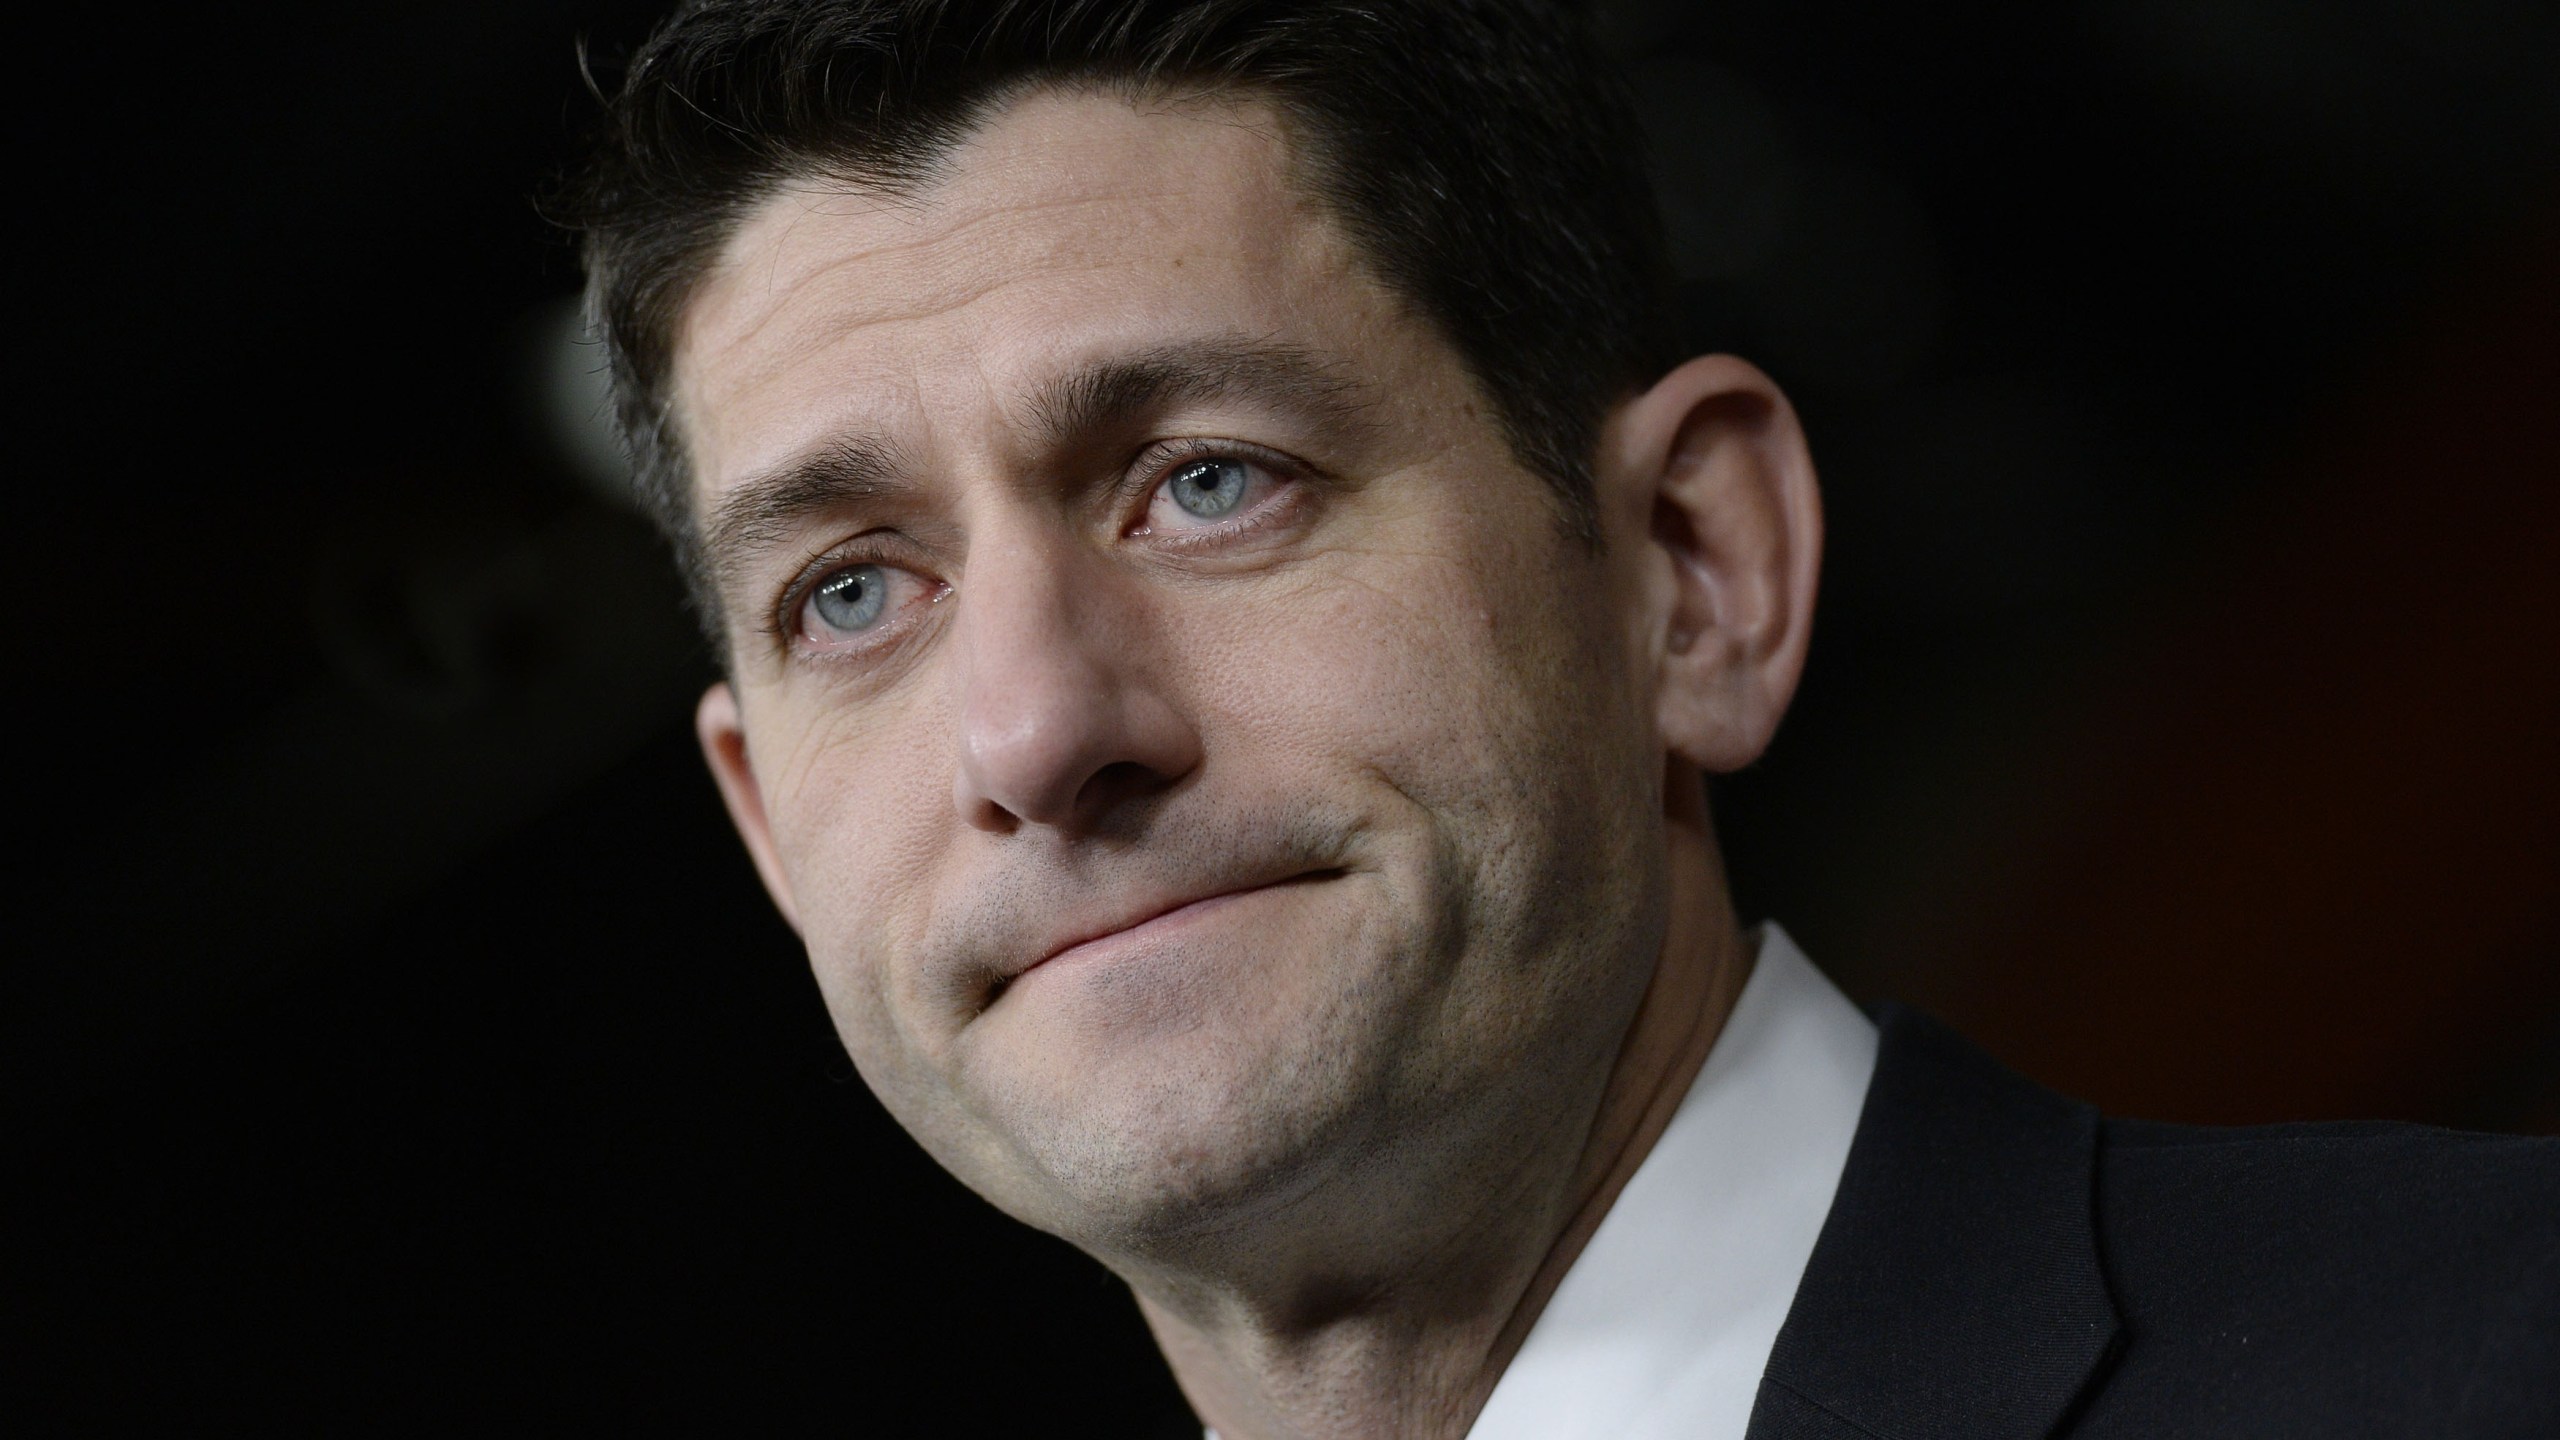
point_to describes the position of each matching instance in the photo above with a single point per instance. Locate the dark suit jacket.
(2002, 1263)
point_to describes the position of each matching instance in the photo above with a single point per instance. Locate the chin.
(1186, 1159)
(1153, 1107)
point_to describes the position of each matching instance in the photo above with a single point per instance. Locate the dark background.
(397, 1037)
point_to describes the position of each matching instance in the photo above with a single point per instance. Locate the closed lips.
(1165, 913)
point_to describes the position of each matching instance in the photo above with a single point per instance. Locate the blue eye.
(852, 599)
(1209, 489)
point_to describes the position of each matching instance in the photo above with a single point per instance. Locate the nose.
(1061, 718)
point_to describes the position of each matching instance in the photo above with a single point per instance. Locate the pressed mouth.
(1170, 913)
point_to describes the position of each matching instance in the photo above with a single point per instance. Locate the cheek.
(1483, 700)
(860, 802)
(1443, 671)
(1387, 678)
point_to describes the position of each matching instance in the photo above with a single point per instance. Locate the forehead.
(1071, 225)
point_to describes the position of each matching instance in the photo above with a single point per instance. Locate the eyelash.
(874, 548)
(1158, 462)
(1145, 474)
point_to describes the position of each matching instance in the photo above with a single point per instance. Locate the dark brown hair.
(1477, 152)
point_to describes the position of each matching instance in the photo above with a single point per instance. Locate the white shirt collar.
(1665, 1323)
(1663, 1326)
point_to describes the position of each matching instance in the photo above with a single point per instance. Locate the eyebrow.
(1114, 392)
(767, 510)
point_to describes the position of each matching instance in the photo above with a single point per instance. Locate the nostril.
(1118, 782)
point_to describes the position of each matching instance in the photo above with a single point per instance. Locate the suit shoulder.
(2392, 1270)
(2451, 1183)
(2428, 1208)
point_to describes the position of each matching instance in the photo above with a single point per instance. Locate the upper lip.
(1085, 930)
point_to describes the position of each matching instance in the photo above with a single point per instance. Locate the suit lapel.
(1956, 1288)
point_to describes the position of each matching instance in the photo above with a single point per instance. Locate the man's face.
(1199, 763)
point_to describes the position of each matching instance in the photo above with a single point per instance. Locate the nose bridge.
(1047, 700)
(1025, 629)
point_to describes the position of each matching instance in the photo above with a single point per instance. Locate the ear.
(717, 724)
(1709, 486)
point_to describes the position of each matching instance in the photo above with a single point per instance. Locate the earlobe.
(720, 728)
(1717, 484)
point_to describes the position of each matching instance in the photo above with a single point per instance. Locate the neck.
(1418, 1354)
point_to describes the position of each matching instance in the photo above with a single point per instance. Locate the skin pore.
(1233, 826)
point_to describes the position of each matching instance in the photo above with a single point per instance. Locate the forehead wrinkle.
(753, 289)
(752, 372)
(992, 152)
(783, 296)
